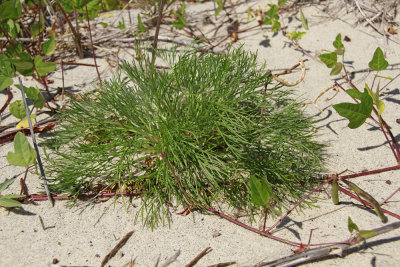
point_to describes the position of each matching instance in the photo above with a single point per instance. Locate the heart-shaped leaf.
(10, 10)
(17, 109)
(49, 46)
(6, 68)
(5, 82)
(24, 64)
(378, 61)
(43, 67)
(357, 114)
(24, 154)
(329, 59)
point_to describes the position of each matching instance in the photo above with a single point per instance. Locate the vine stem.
(91, 44)
(354, 175)
(301, 201)
(9, 98)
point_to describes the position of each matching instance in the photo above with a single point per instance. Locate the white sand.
(84, 235)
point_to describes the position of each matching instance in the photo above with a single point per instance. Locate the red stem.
(354, 175)
(10, 97)
(390, 196)
(40, 197)
(301, 201)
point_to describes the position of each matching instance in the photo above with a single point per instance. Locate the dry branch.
(322, 253)
(116, 248)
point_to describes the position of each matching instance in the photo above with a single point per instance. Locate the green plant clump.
(202, 130)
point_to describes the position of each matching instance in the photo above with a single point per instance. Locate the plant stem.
(354, 175)
(77, 38)
(301, 201)
(91, 43)
(43, 176)
(9, 98)
(153, 55)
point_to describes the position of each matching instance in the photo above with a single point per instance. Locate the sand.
(84, 234)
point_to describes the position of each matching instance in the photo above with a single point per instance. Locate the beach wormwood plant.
(210, 128)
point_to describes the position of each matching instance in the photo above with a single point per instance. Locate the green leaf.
(24, 154)
(273, 12)
(9, 203)
(220, 6)
(180, 23)
(182, 11)
(295, 35)
(10, 10)
(17, 109)
(261, 192)
(6, 183)
(281, 2)
(13, 196)
(14, 50)
(303, 20)
(141, 27)
(338, 42)
(105, 25)
(351, 225)
(12, 28)
(35, 28)
(49, 46)
(24, 64)
(356, 113)
(5, 82)
(337, 68)
(43, 67)
(276, 26)
(366, 233)
(121, 24)
(267, 21)
(330, 59)
(6, 68)
(39, 102)
(67, 5)
(375, 97)
(378, 61)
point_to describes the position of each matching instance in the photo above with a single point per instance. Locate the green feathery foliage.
(199, 123)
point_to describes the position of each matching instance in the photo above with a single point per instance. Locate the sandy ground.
(84, 234)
